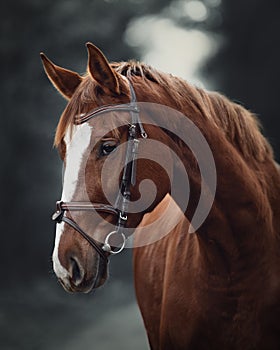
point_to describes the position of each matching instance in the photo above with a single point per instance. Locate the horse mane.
(240, 126)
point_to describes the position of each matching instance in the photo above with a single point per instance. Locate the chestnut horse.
(217, 288)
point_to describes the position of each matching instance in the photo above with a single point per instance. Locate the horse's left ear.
(101, 71)
(63, 79)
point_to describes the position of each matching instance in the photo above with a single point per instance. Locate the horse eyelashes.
(107, 148)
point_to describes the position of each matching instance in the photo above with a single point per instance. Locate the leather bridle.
(128, 180)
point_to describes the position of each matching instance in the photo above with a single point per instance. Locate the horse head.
(98, 146)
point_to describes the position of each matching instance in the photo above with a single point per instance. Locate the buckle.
(123, 216)
(57, 215)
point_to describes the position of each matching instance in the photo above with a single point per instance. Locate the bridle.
(128, 180)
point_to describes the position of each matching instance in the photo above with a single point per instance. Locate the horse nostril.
(76, 271)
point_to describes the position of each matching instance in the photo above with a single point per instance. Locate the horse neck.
(242, 218)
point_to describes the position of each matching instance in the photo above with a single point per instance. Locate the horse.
(214, 285)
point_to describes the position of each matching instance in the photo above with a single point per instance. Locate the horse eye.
(107, 147)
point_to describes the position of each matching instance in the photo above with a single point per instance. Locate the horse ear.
(101, 71)
(64, 80)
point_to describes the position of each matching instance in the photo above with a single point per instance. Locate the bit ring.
(107, 247)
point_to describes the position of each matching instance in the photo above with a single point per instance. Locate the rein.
(128, 180)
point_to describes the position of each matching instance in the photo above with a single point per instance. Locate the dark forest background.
(34, 312)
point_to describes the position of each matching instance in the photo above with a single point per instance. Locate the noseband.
(128, 180)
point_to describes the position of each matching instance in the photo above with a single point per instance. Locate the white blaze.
(75, 150)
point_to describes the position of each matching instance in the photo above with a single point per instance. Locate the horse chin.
(71, 288)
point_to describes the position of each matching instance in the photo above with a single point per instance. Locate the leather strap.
(88, 206)
(90, 240)
(104, 109)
